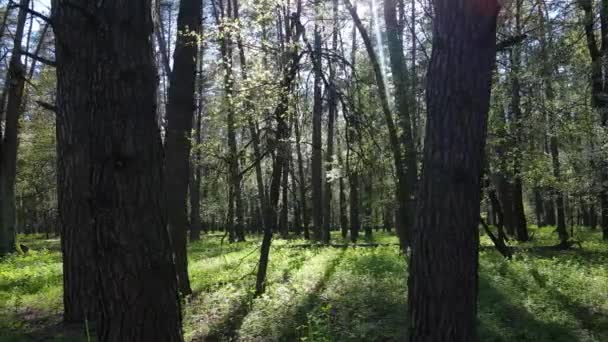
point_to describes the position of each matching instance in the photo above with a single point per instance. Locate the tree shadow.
(500, 320)
(308, 303)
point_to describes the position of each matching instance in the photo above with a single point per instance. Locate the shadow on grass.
(502, 321)
(360, 303)
(310, 301)
(49, 329)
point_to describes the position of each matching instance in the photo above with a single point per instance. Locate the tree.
(110, 169)
(443, 266)
(317, 143)
(598, 84)
(404, 104)
(8, 140)
(180, 113)
(395, 144)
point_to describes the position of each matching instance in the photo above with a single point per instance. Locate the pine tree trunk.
(404, 106)
(9, 140)
(317, 144)
(180, 111)
(444, 261)
(110, 161)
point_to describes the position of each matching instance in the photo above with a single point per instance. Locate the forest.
(290, 170)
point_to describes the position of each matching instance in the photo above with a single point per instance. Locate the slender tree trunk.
(401, 187)
(111, 172)
(444, 261)
(302, 177)
(9, 140)
(404, 104)
(252, 125)
(553, 143)
(180, 111)
(284, 217)
(195, 185)
(297, 215)
(342, 195)
(289, 72)
(317, 144)
(519, 217)
(599, 78)
(539, 208)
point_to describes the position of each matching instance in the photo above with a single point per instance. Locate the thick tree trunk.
(110, 163)
(443, 265)
(9, 140)
(180, 111)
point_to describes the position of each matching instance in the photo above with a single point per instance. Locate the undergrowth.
(337, 294)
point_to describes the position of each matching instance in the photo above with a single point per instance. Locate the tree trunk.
(180, 111)
(289, 72)
(317, 144)
(539, 209)
(9, 140)
(195, 186)
(520, 225)
(553, 142)
(443, 265)
(599, 78)
(301, 176)
(401, 184)
(110, 170)
(404, 105)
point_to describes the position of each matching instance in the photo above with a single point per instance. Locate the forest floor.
(334, 294)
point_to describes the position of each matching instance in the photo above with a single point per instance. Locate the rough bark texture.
(444, 261)
(180, 112)
(110, 169)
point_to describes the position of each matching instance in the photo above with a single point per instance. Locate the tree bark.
(9, 140)
(404, 104)
(519, 219)
(332, 104)
(110, 169)
(553, 142)
(302, 177)
(180, 111)
(599, 78)
(317, 147)
(444, 260)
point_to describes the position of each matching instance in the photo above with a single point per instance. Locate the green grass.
(336, 294)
